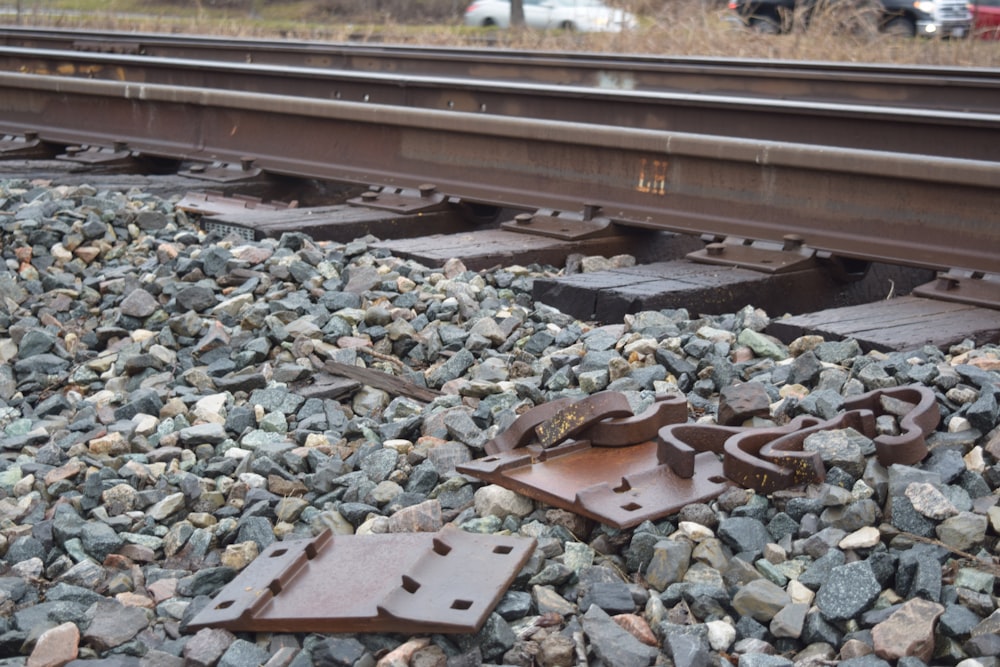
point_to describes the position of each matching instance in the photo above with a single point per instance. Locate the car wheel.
(568, 26)
(900, 27)
(489, 23)
(764, 25)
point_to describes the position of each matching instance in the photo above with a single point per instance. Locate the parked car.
(986, 18)
(581, 15)
(908, 18)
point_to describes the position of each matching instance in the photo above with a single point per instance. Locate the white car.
(581, 15)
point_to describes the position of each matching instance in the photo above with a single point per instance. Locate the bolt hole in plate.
(444, 582)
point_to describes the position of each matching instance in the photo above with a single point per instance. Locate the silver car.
(580, 15)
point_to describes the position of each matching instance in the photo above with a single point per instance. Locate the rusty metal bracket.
(26, 147)
(522, 431)
(761, 256)
(443, 582)
(580, 415)
(407, 201)
(625, 431)
(971, 287)
(563, 225)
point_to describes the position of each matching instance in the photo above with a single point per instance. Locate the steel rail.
(971, 89)
(934, 212)
(925, 132)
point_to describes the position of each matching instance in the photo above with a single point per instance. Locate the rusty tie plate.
(618, 486)
(443, 582)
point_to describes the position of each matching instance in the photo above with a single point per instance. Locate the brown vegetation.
(669, 27)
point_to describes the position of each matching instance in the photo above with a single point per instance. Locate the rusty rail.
(934, 212)
(961, 89)
(927, 132)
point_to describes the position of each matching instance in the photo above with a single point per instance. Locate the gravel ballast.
(157, 433)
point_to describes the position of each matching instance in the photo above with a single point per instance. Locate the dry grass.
(674, 28)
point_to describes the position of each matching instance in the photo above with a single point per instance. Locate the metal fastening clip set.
(596, 458)
(593, 457)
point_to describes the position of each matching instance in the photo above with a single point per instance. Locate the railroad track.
(942, 88)
(942, 133)
(588, 159)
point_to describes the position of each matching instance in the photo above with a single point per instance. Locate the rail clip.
(595, 458)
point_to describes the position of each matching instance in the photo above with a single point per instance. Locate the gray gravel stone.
(613, 645)
(849, 590)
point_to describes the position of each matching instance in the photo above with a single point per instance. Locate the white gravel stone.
(974, 460)
(168, 506)
(721, 635)
(799, 592)
(695, 531)
(493, 500)
(863, 538)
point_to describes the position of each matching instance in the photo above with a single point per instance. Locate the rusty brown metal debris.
(425, 582)
(625, 470)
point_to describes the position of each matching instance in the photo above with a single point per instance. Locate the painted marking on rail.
(652, 177)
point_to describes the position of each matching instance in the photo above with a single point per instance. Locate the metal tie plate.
(445, 582)
(618, 486)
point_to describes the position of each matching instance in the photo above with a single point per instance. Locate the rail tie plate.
(445, 582)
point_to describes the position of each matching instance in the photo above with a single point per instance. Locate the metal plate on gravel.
(618, 486)
(402, 582)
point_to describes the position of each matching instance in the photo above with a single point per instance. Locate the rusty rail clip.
(579, 415)
(626, 469)
(412, 582)
(625, 431)
(918, 421)
(604, 419)
(769, 459)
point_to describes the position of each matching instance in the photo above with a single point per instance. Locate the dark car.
(908, 18)
(986, 18)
